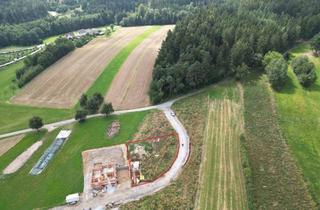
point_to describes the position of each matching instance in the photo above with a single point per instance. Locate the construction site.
(117, 168)
(105, 170)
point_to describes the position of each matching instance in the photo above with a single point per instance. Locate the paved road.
(135, 193)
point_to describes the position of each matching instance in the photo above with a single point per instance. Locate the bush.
(276, 68)
(315, 43)
(304, 70)
(92, 104)
(35, 123)
(107, 109)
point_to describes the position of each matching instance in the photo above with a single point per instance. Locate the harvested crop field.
(129, 89)
(222, 177)
(61, 85)
(8, 143)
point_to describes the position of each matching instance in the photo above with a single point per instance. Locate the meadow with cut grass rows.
(222, 183)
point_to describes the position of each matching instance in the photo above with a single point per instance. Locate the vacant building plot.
(130, 87)
(8, 143)
(221, 174)
(61, 85)
(151, 157)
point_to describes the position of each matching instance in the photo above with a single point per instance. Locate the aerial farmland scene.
(160, 104)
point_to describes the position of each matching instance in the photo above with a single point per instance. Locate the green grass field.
(64, 173)
(103, 82)
(26, 142)
(299, 114)
(15, 117)
(222, 181)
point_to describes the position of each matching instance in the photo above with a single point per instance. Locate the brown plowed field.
(62, 84)
(130, 87)
(8, 143)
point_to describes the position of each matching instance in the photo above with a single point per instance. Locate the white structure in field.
(73, 198)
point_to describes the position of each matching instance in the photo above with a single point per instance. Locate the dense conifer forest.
(229, 39)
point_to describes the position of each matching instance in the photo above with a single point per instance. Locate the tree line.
(94, 13)
(144, 15)
(226, 39)
(35, 64)
(33, 32)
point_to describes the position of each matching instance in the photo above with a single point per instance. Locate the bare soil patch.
(61, 85)
(8, 143)
(130, 87)
(22, 159)
(113, 129)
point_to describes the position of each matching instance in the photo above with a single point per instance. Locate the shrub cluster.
(276, 68)
(35, 64)
(83, 40)
(91, 104)
(304, 70)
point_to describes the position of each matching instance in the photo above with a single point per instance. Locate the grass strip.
(103, 82)
(22, 146)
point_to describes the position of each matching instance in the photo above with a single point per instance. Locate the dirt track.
(61, 85)
(130, 87)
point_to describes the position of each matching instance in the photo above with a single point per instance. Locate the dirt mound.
(113, 129)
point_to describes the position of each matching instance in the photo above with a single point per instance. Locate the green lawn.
(15, 117)
(299, 115)
(51, 39)
(64, 173)
(25, 143)
(7, 74)
(103, 82)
